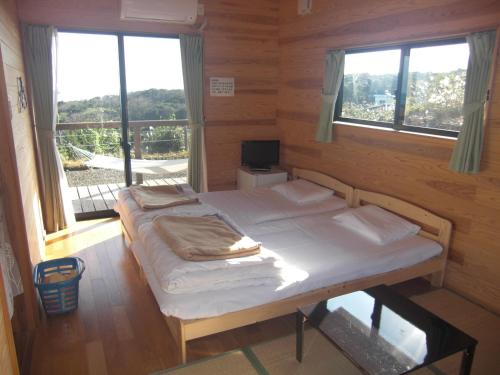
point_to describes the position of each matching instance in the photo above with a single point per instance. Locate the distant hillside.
(153, 104)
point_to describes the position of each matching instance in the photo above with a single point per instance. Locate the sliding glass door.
(89, 120)
(121, 116)
(156, 110)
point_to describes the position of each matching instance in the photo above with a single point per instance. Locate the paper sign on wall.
(221, 86)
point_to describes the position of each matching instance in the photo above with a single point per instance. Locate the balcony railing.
(135, 128)
(95, 190)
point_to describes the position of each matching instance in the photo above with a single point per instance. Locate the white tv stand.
(248, 179)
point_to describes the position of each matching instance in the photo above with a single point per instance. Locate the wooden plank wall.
(8, 357)
(412, 167)
(17, 162)
(22, 130)
(241, 41)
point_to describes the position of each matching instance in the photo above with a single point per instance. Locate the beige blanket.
(161, 196)
(203, 238)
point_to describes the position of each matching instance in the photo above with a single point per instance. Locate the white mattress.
(243, 207)
(263, 204)
(324, 252)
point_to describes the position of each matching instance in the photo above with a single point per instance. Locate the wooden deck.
(98, 198)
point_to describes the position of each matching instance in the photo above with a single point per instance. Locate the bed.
(434, 228)
(313, 253)
(244, 207)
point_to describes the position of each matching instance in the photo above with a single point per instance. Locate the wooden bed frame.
(433, 227)
(342, 190)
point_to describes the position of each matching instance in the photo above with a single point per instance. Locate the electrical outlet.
(201, 9)
(304, 7)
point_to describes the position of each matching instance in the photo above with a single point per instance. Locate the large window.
(121, 115)
(416, 87)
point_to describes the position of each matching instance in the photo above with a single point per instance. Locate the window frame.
(125, 128)
(401, 88)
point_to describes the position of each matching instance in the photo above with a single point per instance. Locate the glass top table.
(382, 332)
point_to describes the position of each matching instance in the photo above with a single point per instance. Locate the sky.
(87, 65)
(425, 59)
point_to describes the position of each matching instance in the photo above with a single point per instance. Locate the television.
(260, 155)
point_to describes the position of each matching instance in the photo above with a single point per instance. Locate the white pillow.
(303, 191)
(376, 224)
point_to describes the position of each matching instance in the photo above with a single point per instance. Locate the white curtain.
(466, 157)
(334, 74)
(192, 70)
(40, 43)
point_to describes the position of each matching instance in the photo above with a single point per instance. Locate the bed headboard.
(341, 189)
(433, 227)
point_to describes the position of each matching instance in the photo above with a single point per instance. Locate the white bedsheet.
(178, 276)
(322, 253)
(264, 204)
(243, 207)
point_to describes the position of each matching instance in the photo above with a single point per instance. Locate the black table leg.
(467, 359)
(299, 335)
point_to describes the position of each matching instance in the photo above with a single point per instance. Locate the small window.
(417, 87)
(369, 88)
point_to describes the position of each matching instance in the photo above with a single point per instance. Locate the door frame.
(125, 139)
(125, 144)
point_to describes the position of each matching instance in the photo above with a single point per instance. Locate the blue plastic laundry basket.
(62, 296)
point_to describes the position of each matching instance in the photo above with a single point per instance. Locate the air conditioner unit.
(169, 11)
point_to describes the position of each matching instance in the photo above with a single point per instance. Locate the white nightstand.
(248, 180)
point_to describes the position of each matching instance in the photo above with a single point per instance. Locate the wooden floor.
(95, 198)
(118, 328)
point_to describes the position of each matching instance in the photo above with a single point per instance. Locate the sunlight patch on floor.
(82, 235)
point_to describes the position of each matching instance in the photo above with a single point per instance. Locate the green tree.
(153, 104)
(433, 99)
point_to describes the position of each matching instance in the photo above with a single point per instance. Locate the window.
(120, 99)
(416, 87)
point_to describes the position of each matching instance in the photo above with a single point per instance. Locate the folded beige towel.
(203, 238)
(161, 196)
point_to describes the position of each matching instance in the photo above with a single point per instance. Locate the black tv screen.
(260, 154)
